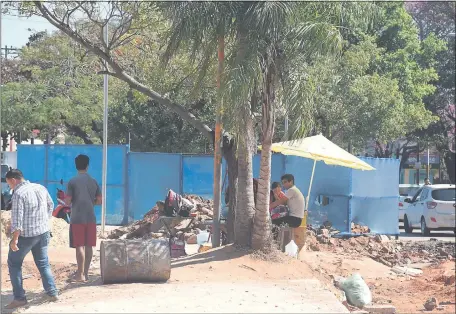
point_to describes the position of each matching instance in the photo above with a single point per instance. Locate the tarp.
(319, 148)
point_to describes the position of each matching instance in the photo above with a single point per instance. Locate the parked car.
(432, 208)
(406, 191)
(402, 206)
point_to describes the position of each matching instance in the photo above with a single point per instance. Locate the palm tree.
(266, 43)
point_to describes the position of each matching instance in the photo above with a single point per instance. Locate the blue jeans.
(39, 247)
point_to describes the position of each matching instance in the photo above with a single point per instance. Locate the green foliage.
(375, 89)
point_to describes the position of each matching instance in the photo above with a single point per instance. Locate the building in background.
(411, 167)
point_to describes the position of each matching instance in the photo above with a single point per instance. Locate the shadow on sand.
(221, 254)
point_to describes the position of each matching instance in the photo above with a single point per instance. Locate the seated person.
(295, 202)
(276, 193)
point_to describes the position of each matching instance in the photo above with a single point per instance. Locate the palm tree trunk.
(245, 207)
(262, 221)
(230, 155)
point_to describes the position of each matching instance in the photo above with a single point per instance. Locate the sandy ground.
(407, 294)
(223, 281)
(227, 280)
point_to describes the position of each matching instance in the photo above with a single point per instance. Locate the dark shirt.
(84, 191)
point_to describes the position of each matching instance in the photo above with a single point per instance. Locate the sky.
(15, 30)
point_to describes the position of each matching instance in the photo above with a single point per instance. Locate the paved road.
(448, 236)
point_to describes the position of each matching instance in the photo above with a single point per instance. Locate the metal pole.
(218, 149)
(310, 185)
(418, 160)
(105, 142)
(428, 168)
(1, 73)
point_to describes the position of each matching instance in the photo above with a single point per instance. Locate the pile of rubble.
(382, 248)
(151, 227)
(59, 229)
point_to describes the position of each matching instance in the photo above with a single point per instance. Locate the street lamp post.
(1, 68)
(105, 143)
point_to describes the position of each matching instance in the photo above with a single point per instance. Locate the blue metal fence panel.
(61, 162)
(335, 210)
(151, 175)
(377, 183)
(374, 196)
(277, 166)
(48, 164)
(198, 173)
(198, 176)
(31, 160)
(137, 180)
(380, 214)
(328, 180)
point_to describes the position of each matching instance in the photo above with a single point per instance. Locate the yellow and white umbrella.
(320, 148)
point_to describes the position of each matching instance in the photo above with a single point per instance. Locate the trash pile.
(382, 248)
(201, 210)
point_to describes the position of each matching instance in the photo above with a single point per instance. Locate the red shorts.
(83, 235)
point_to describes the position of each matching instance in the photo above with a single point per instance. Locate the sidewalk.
(301, 296)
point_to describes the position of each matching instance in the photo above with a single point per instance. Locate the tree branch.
(121, 74)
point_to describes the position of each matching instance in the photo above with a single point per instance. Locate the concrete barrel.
(135, 261)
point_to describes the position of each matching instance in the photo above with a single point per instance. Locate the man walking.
(31, 209)
(83, 193)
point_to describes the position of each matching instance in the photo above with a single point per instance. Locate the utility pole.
(428, 165)
(105, 141)
(1, 73)
(418, 161)
(218, 147)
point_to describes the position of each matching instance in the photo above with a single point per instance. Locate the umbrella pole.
(310, 185)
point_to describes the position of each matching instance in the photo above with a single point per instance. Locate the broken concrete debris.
(150, 227)
(380, 309)
(404, 270)
(380, 248)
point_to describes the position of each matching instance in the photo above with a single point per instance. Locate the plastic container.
(202, 237)
(291, 249)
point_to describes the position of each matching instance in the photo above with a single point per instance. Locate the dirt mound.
(60, 233)
(6, 227)
(410, 295)
(231, 263)
(58, 227)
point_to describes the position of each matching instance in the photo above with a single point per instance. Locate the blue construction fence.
(136, 181)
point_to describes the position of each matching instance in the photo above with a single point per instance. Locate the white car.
(402, 206)
(432, 208)
(406, 191)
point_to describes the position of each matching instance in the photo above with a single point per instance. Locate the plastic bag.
(356, 290)
(291, 249)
